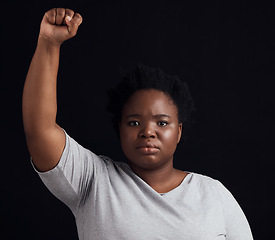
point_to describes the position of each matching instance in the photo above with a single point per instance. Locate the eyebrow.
(155, 116)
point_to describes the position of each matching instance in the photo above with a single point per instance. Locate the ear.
(179, 133)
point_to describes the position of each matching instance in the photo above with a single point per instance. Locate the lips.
(148, 148)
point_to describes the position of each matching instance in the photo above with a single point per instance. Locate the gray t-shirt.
(109, 201)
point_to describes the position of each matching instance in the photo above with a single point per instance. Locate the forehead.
(150, 101)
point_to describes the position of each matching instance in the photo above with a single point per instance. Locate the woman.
(145, 198)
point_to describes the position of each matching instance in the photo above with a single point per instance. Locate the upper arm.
(46, 147)
(70, 174)
(237, 226)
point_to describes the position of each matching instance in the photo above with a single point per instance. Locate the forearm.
(39, 95)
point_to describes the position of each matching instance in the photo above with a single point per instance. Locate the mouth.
(148, 149)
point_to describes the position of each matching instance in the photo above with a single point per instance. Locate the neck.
(162, 179)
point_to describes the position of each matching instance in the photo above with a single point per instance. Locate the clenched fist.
(59, 25)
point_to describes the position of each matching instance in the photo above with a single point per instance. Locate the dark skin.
(149, 134)
(46, 140)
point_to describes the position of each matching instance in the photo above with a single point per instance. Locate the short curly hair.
(143, 77)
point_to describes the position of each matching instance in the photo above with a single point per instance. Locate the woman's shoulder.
(205, 182)
(201, 178)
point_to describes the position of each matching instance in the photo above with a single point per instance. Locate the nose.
(147, 132)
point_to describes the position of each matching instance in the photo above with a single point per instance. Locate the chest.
(131, 213)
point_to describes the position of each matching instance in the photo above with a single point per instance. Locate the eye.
(133, 123)
(162, 123)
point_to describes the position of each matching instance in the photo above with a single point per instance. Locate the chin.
(147, 163)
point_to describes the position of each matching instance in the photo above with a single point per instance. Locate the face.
(149, 129)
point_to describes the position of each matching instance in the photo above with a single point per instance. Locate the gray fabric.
(109, 201)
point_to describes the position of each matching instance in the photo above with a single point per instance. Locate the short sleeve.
(236, 224)
(71, 180)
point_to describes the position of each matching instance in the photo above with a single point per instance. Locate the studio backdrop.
(222, 50)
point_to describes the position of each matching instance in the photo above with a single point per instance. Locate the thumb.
(73, 23)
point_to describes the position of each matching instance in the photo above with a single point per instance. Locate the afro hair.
(143, 77)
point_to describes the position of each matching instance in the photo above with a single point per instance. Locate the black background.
(224, 51)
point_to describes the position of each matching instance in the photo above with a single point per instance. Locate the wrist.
(48, 43)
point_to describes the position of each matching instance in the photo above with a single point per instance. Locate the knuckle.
(77, 15)
(52, 11)
(78, 18)
(60, 11)
(69, 12)
(50, 15)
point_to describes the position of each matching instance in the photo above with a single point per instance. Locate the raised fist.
(59, 25)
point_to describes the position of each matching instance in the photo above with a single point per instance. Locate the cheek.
(170, 137)
(127, 142)
(126, 137)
